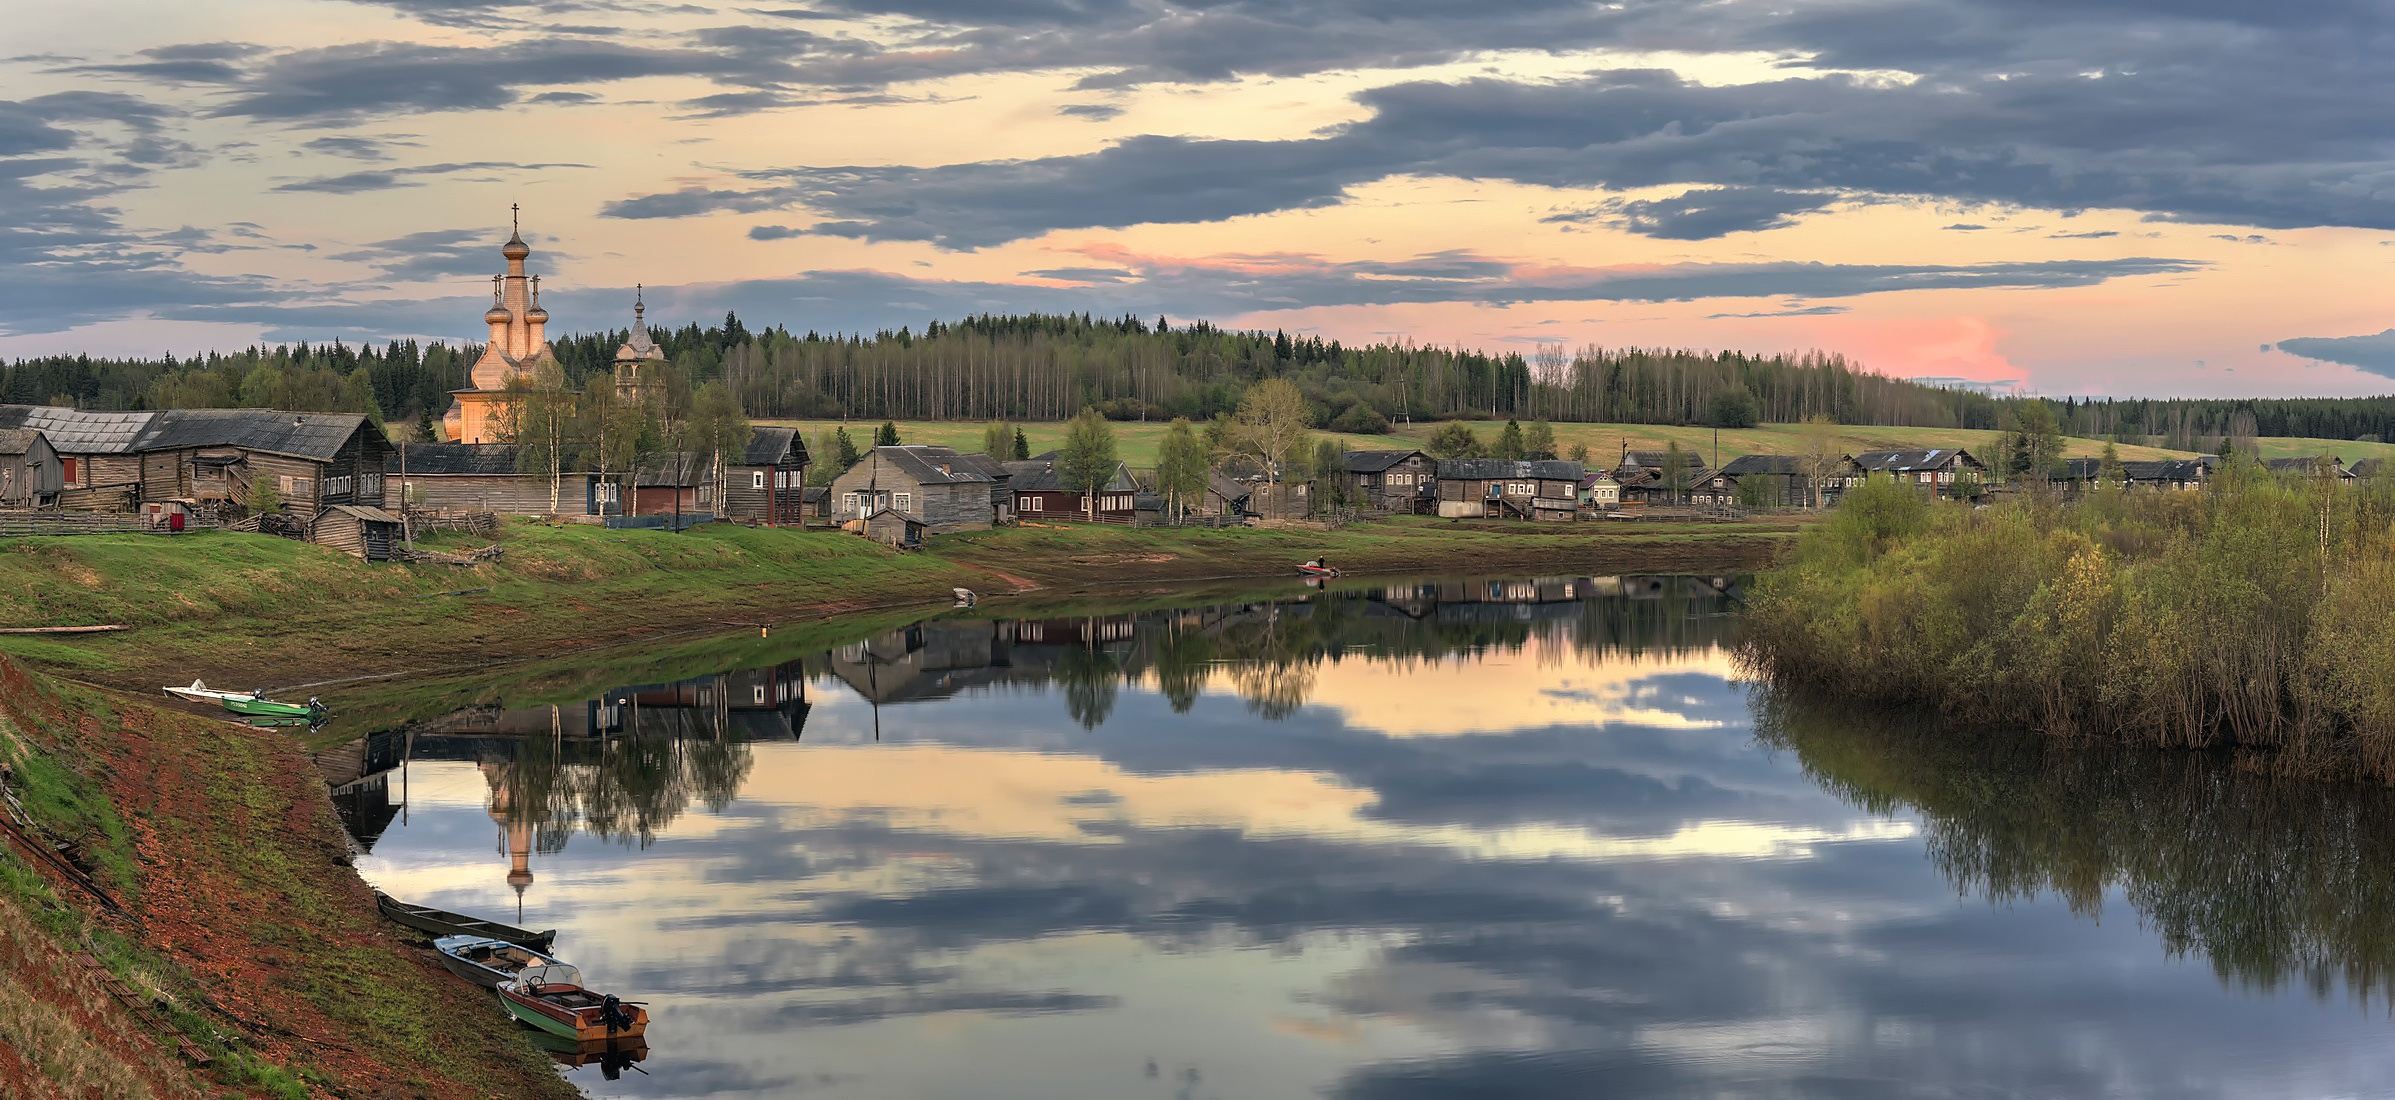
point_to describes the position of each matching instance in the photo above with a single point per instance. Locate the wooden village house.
(1037, 490)
(943, 490)
(1934, 470)
(767, 485)
(1547, 489)
(1779, 481)
(30, 474)
(1394, 481)
(1644, 477)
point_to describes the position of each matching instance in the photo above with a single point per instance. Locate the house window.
(336, 486)
(1033, 503)
(297, 487)
(904, 501)
(706, 493)
(756, 479)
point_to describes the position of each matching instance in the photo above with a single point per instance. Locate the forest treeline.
(1045, 367)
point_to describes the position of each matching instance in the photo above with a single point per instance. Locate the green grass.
(2345, 449)
(1137, 442)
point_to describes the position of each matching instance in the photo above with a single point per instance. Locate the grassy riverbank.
(2251, 614)
(246, 609)
(241, 933)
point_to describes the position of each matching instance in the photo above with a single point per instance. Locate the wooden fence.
(23, 524)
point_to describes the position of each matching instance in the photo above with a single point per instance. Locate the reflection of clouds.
(1555, 900)
(1543, 684)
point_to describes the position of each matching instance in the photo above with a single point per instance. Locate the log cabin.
(1036, 489)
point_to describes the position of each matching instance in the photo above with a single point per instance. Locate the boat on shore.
(440, 922)
(200, 692)
(487, 961)
(553, 999)
(1316, 569)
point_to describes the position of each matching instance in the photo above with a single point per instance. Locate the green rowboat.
(259, 706)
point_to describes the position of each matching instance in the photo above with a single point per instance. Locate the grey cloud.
(2375, 353)
(1963, 227)
(1094, 112)
(383, 179)
(564, 98)
(343, 83)
(2089, 235)
(432, 254)
(1083, 274)
(773, 233)
(353, 147)
(1793, 311)
(1706, 213)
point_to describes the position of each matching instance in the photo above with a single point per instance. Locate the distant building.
(2308, 466)
(207, 461)
(639, 351)
(2168, 473)
(1036, 486)
(766, 482)
(1781, 481)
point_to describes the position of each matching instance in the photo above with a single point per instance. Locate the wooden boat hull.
(254, 707)
(581, 1025)
(438, 922)
(619, 1053)
(1309, 571)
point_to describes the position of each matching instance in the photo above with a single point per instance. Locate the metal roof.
(1494, 469)
(85, 432)
(1373, 462)
(923, 463)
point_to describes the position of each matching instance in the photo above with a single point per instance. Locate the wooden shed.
(892, 527)
(359, 531)
(766, 482)
(30, 473)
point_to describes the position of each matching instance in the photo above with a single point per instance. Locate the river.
(1509, 838)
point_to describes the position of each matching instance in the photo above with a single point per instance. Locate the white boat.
(202, 693)
(965, 596)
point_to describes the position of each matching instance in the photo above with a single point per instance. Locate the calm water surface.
(1463, 839)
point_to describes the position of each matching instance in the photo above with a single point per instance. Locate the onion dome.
(515, 248)
(497, 315)
(536, 315)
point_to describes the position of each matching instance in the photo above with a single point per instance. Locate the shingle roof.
(2368, 467)
(2164, 469)
(766, 446)
(17, 441)
(1042, 474)
(81, 431)
(2301, 464)
(1493, 469)
(1373, 462)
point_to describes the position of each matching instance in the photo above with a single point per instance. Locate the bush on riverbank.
(2249, 614)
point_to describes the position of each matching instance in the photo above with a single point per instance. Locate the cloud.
(1094, 112)
(1704, 213)
(773, 233)
(430, 255)
(383, 179)
(339, 84)
(1963, 227)
(2089, 235)
(2375, 353)
(354, 147)
(1792, 311)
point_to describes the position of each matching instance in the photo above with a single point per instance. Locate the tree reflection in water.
(2276, 880)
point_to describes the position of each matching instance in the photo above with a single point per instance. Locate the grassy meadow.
(1137, 441)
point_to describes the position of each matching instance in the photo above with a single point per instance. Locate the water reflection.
(2273, 880)
(1511, 838)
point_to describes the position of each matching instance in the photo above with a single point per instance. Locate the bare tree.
(1271, 426)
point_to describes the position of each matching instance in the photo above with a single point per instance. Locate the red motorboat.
(1317, 568)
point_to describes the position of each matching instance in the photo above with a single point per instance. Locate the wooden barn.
(208, 460)
(1397, 481)
(30, 473)
(1547, 489)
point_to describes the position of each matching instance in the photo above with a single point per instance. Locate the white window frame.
(1034, 502)
(849, 502)
(756, 479)
(902, 501)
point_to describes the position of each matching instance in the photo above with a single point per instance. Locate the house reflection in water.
(620, 766)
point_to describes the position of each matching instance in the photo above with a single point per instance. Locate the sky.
(2103, 197)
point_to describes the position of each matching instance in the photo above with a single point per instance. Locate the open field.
(1137, 442)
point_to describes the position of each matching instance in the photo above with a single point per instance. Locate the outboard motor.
(613, 1013)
